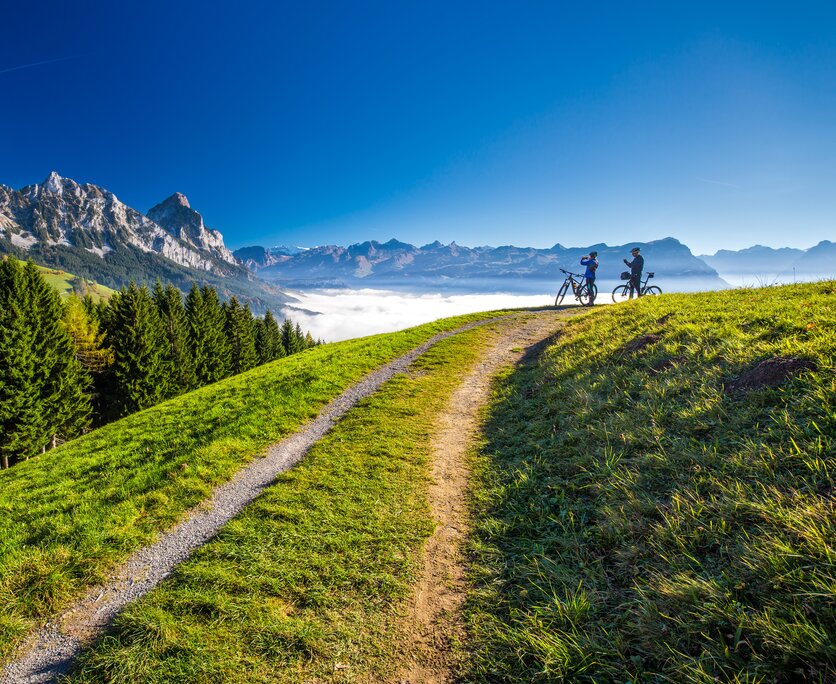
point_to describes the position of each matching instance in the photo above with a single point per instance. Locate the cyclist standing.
(636, 267)
(591, 263)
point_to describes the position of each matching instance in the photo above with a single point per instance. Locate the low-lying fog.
(343, 314)
(340, 314)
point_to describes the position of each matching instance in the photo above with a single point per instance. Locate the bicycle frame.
(643, 289)
(643, 286)
(577, 288)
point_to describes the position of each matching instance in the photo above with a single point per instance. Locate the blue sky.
(524, 123)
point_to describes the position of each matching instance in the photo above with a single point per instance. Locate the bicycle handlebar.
(577, 275)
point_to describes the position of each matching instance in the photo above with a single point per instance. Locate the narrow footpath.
(434, 623)
(50, 651)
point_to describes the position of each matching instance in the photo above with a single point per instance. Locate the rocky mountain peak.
(62, 214)
(181, 199)
(176, 216)
(178, 199)
(56, 185)
(53, 182)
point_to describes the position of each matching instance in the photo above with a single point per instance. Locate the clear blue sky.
(526, 123)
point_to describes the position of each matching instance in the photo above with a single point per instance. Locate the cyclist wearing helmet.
(636, 267)
(591, 263)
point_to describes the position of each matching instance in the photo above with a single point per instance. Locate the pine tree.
(268, 339)
(298, 339)
(178, 354)
(136, 335)
(218, 359)
(20, 405)
(288, 337)
(42, 385)
(65, 381)
(207, 338)
(309, 340)
(240, 334)
(196, 319)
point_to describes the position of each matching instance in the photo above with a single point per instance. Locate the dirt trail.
(50, 651)
(434, 622)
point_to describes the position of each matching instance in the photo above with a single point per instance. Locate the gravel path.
(49, 653)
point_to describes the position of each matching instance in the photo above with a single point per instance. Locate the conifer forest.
(68, 366)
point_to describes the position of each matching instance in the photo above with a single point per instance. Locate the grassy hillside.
(70, 515)
(654, 499)
(305, 585)
(67, 283)
(652, 502)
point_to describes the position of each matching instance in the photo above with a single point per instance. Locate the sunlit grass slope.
(304, 585)
(70, 515)
(67, 283)
(647, 510)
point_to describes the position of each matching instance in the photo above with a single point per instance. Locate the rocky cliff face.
(177, 217)
(61, 212)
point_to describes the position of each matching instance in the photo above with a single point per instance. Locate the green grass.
(635, 523)
(305, 584)
(66, 283)
(69, 516)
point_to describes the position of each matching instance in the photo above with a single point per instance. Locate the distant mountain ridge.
(394, 261)
(768, 262)
(258, 257)
(87, 230)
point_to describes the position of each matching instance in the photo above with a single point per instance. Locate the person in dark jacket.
(636, 267)
(591, 263)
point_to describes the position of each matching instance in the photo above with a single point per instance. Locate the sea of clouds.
(343, 314)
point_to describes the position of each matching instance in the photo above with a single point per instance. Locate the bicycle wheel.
(652, 291)
(561, 293)
(621, 292)
(586, 294)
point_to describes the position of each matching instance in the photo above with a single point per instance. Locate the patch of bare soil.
(434, 622)
(667, 363)
(639, 343)
(769, 373)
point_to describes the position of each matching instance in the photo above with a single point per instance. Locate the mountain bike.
(583, 293)
(623, 291)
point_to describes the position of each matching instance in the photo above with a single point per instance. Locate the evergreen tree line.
(65, 366)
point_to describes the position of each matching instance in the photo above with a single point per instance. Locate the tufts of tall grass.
(636, 521)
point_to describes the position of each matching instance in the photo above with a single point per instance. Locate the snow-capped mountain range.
(60, 212)
(397, 264)
(86, 230)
